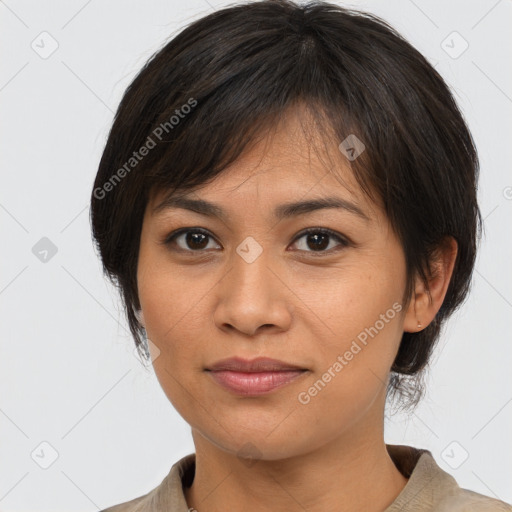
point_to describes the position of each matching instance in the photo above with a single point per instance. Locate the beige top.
(429, 488)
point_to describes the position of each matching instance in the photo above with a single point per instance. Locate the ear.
(140, 317)
(425, 304)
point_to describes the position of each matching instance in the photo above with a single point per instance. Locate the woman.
(287, 202)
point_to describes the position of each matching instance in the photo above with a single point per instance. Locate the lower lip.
(256, 383)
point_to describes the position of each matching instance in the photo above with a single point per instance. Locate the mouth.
(256, 377)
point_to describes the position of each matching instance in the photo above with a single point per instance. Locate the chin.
(250, 445)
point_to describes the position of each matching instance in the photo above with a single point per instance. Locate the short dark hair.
(226, 79)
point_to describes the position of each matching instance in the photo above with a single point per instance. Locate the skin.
(200, 305)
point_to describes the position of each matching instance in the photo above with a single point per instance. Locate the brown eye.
(318, 240)
(191, 240)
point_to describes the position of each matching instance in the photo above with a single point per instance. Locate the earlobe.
(415, 317)
(426, 302)
(140, 317)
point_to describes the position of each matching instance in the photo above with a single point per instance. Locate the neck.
(354, 469)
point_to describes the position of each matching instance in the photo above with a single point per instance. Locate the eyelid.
(342, 239)
(169, 237)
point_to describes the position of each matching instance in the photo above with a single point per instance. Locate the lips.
(261, 364)
(256, 377)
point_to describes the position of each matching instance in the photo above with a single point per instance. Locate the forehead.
(292, 161)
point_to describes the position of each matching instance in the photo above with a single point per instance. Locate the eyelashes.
(319, 241)
(321, 238)
(172, 237)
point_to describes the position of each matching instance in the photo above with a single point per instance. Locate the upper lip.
(260, 364)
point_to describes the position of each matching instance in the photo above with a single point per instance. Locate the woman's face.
(257, 286)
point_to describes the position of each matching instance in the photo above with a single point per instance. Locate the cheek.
(163, 300)
(169, 294)
(358, 337)
(351, 301)
(173, 323)
(172, 310)
(173, 299)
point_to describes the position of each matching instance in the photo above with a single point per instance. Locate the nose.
(253, 297)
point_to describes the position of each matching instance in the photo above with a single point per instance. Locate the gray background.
(69, 377)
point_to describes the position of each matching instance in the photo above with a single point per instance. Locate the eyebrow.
(283, 211)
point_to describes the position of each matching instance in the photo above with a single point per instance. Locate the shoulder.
(464, 500)
(143, 503)
(167, 496)
(137, 505)
(431, 489)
